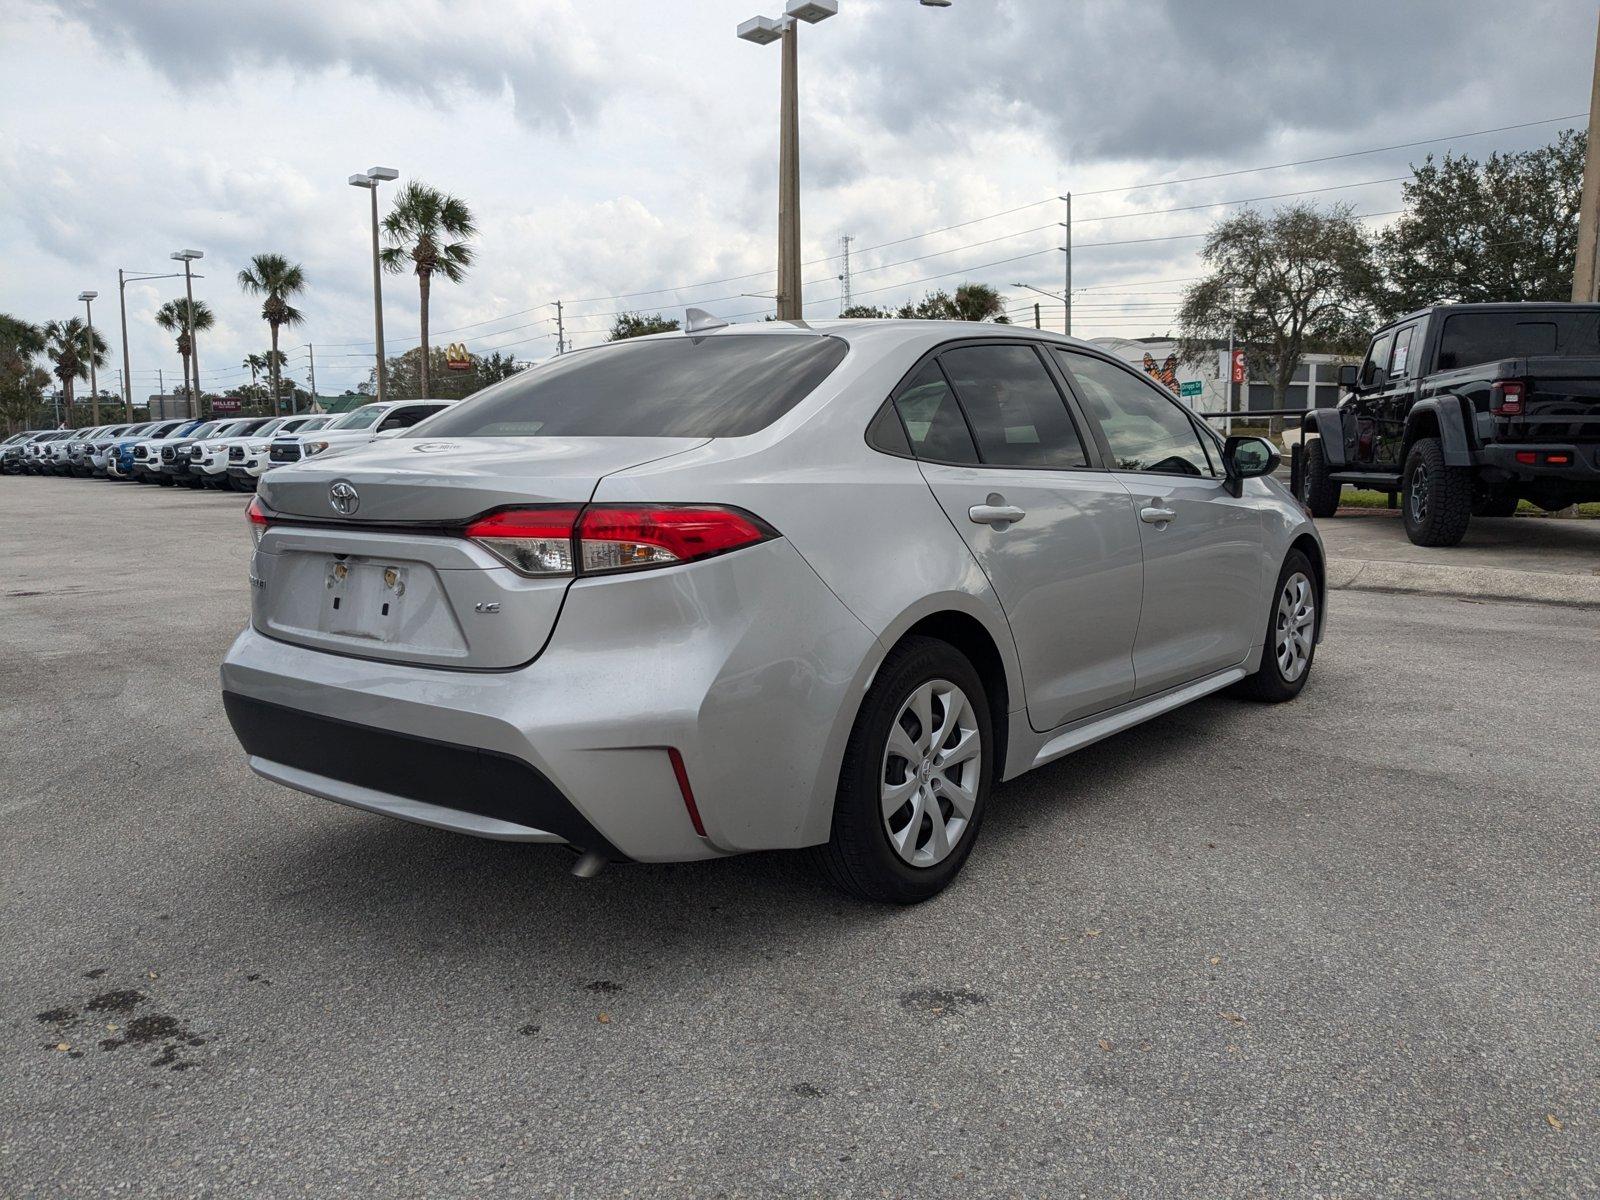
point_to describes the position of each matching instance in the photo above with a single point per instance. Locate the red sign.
(226, 404)
(1238, 366)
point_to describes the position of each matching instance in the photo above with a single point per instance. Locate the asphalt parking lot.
(1347, 946)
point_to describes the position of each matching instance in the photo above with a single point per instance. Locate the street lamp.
(88, 299)
(187, 257)
(764, 31)
(370, 181)
(124, 278)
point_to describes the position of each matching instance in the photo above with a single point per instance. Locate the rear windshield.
(1472, 338)
(725, 386)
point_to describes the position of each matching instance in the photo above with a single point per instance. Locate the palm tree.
(70, 346)
(171, 316)
(255, 364)
(20, 381)
(419, 229)
(278, 280)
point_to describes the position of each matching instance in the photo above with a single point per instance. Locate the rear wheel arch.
(972, 638)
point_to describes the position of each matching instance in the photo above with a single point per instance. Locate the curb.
(1468, 583)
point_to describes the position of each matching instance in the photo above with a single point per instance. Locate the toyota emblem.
(344, 498)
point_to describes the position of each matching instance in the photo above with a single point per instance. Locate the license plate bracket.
(363, 599)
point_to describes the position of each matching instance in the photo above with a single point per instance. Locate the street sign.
(1190, 387)
(1238, 366)
(456, 357)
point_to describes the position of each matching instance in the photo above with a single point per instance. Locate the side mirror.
(388, 433)
(1248, 458)
(1350, 377)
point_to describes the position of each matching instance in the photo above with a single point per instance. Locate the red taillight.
(1527, 457)
(613, 537)
(532, 541)
(1505, 398)
(1558, 460)
(624, 537)
(257, 516)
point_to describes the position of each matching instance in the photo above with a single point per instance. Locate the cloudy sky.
(621, 154)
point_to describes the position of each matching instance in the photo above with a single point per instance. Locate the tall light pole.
(763, 31)
(88, 299)
(370, 180)
(187, 257)
(124, 278)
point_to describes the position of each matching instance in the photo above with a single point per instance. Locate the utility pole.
(844, 279)
(312, 351)
(1586, 268)
(127, 371)
(1066, 283)
(561, 334)
(1036, 323)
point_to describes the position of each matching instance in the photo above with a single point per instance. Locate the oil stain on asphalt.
(167, 1035)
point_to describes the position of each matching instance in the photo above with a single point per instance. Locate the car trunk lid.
(392, 577)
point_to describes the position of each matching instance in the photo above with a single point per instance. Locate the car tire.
(1495, 504)
(1436, 500)
(880, 857)
(1290, 644)
(1321, 492)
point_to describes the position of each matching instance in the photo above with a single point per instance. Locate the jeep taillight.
(605, 538)
(1505, 398)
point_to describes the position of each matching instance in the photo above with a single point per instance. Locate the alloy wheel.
(1295, 626)
(931, 767)
(1417, 493)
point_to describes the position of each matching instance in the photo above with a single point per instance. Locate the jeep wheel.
(1436, 503)
(1321, 493)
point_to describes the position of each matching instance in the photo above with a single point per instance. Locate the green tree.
(255, 364)
(1502, 229)
(866, 312)
(173, 316)
(428, 230)
(70, 346)
(1296, 281)
(632, 325)
(277, 281)
(22, 382)
(971, 302)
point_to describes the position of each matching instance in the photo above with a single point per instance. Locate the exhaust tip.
(590, 865)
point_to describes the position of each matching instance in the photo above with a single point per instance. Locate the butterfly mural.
(1166, 374)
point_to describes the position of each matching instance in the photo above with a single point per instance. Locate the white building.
(1203, 385)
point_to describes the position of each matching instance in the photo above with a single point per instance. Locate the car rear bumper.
(746, 664)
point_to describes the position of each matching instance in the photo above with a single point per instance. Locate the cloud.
(532, 53)
(1177, 80)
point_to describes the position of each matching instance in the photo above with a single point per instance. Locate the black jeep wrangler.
(1464, 409)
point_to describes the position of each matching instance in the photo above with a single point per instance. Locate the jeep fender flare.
(1329, 425)
(1444, 414)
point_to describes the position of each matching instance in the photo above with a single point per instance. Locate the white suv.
(355, 428)
(248, 461)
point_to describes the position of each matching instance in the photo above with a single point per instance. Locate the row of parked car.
(221, 453)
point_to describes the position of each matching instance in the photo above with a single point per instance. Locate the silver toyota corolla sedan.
(747, 588)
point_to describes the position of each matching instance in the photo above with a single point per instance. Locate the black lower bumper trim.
(483, 782)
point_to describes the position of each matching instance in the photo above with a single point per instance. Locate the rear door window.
(1015, 411)
(723, 385)
(933, 419)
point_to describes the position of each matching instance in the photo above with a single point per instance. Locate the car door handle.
(1156, 516)
(997, 514)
